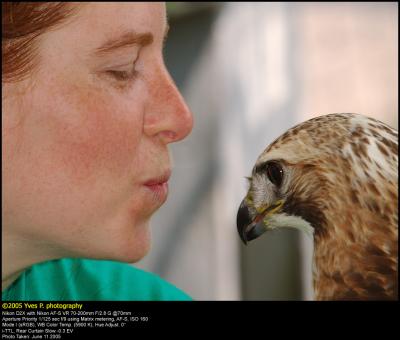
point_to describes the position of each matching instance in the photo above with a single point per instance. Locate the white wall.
(266, 67)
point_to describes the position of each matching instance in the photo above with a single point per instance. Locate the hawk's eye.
(275, 173)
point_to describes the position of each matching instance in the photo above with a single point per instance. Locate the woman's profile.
(89, 110)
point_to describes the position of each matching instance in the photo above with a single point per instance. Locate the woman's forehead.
(126, 15)
(97, 24)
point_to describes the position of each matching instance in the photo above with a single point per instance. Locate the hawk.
(335, 177)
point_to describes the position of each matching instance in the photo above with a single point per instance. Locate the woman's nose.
(167, 116)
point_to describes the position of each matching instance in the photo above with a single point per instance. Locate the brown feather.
(344, 183)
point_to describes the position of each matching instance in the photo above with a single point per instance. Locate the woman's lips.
(159, 187)
(160, 191)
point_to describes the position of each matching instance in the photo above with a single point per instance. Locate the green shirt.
(89, 280)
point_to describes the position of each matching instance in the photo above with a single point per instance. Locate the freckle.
(94, 139)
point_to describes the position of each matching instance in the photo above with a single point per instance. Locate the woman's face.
(85, 140)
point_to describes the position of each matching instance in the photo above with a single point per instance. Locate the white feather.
(281, 220)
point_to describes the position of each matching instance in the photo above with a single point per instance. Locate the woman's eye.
(275, 173)
(123, 75)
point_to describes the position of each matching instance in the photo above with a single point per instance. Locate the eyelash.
(123, 76)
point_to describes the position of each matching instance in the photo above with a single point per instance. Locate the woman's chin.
(134, 255)
(133, 250)
(127, 247)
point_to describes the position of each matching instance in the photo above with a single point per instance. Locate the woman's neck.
(18, 254)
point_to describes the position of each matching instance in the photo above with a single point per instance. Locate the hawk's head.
(319, 174)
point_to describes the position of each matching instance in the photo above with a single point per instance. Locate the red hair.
(22, 24)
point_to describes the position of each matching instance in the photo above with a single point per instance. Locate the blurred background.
(249, 71)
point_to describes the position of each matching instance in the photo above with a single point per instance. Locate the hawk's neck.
(349, 270)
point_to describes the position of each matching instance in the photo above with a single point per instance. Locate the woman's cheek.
(95, 134)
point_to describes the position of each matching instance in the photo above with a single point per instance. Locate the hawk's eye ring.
(274, 173)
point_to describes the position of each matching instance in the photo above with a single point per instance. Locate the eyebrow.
(127, 39)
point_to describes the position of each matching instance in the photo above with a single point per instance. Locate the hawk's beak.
(247, 228)
(250, 228)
